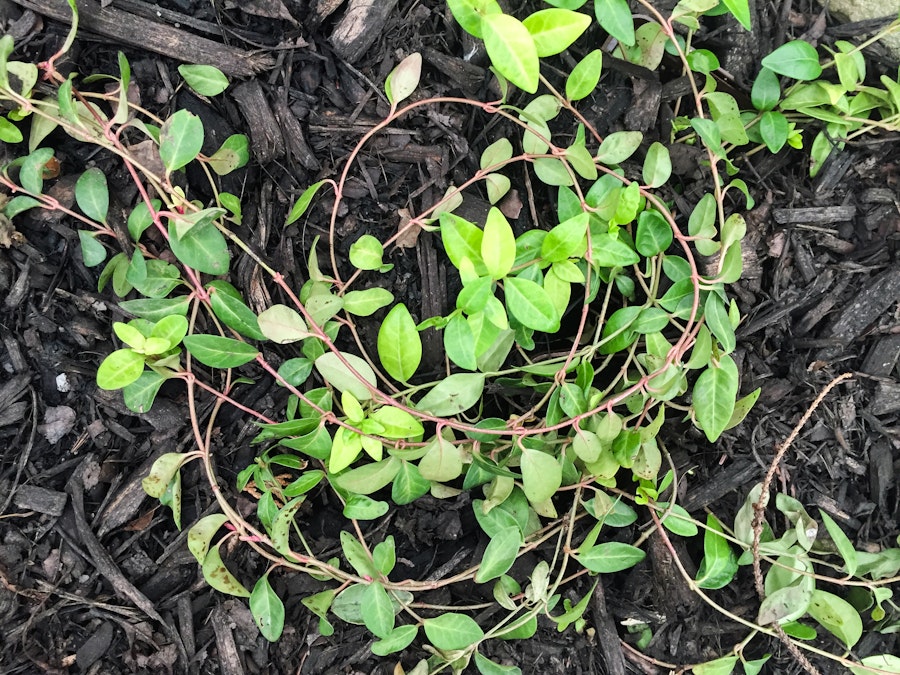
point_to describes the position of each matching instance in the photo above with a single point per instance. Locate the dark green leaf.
(267, 609)
(654, 234)
(92, 194)
(612, 556)
(797, 59)
(615, 18)
(219, 352)
(714, 396)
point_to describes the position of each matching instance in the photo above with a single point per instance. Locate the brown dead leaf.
(407, 231)
(511, 205)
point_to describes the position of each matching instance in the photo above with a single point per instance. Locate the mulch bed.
(95, 578)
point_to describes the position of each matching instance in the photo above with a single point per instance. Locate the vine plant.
(596, 328)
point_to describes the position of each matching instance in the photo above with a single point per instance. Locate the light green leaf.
(566, 240)
(554, 30)
(657, 165)
(619, 146)
(120, 369)
(453, 395)
(459, 343)
(201, 533)
(205, 80)
(403, 80)
(339, 375)
(92, 251)
(512, 50)
(583, 78)
(654, 234)
(609, 251)
(232, 154)
(462, 239)
(282, 325)
(399, 344)
(541, 475)
(442, 461)
(367, 302)
(882, 662)
(218, 576)
(719, 564)
(377, 610)
(837, 616)
(453, 631)
(468, 13)
(841, 542)
(498, 244)
(303, 202)
(724, 665)
(740, 9)
(366, 253)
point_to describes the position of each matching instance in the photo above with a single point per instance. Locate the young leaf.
(512, 50)
(469, 13)
(841, 542)
(797, 59)
(499, 555)
(339, 376)
(366, 253)
(120, 369)
(615, 18)
(399, 344)
(774, 129)
(403, 80)
(453, 631)
(267, 609)
(219, 352)
(619, 146)
(541, 475)
(657, 165)
(714, 395)
(553, 30)
(218, 576)
(453, 395)
(367, 302)
(498, 244)
(303, 202)
(205, 80)
(462, 239)
(92, 194)
(583, 78)
(180, 139)
(92, 251)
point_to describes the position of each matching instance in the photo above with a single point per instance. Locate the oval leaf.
(399, 344)
(453, 631)
(267, 609)
(512, 50)
(282, 324)
(453, 395)
(797, 59)
(342, 378)
(218, 576)
(216, 351)
(180, 139)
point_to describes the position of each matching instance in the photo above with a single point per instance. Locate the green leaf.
(498, 244)
(397, 423)
(498, 152)
(609, 251)
(453, 631)
(841, 542)
(442, 461)
(487, 667)
(583, 78)
(459, 343)
(227, 305)
(469, 13)
(201, 533)
(615, 18)
(714, 396)
(657, 165)
(403, 80)
(774, 129)
(140, 394)
(357, 556)
(462, 239)
(232, 154)
(162, 472)
(303, 202)
(339, 375)
(797, 59)
(377, 610)
(399, 344)
(31, 171)
(9, 132)
(529, 303)
(837, 616)
(218, 576)
(369, 478)
(282, 324)
(366, 253)
(205, 80)
(566, 240)
(409, 484)
(202, 247)
(92, 251)
(500, 554)
(678, 521)
(882, 662)
(398, 640)
(654, 234)
(611, 556)
(360, 507)
(367, 302)
(216, 351)
(766, 91)
(785, 605)
(740, 9)
(719, 564)
(554, 30)
(92, 194)
(723, 665)
(267, 609)
(19, 204)
(120, 369)
(180, 140)
(619, 146)
(512, 50)
(717, 321)
(140, 219)
(453, 395)
(541, 475)
(154, 309)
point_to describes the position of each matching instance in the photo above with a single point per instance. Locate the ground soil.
(95, 578)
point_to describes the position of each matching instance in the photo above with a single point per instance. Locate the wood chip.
(815, 215)
(363, 23)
